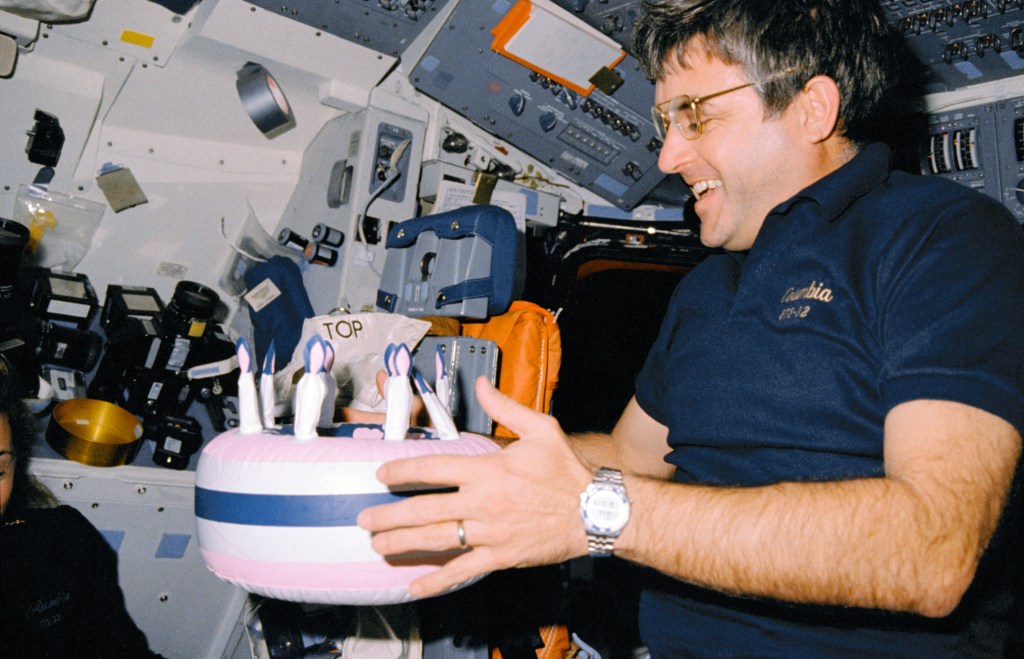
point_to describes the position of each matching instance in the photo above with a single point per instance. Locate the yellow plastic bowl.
(94, 432)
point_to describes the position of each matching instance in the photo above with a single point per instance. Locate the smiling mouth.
(701, 187)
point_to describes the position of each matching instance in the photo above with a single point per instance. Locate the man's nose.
(676, 152)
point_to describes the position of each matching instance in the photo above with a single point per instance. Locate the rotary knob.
(517, 104)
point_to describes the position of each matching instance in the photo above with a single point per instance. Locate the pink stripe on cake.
(284, 448)
(328, 583)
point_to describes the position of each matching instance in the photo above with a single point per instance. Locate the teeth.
(700, 187)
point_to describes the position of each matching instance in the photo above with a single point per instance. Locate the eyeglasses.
(684, 113)
(7, 459)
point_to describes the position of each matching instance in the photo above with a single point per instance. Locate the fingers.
(417, 511)
(455, 572)
(518, 418)
(436, 537)
(450, 470)
(441, 536)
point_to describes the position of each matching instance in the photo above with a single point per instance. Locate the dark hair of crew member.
(766, 37)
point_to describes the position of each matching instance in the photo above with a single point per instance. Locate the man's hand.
(416, 415)
(519, 507)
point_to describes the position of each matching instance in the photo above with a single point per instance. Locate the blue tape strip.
(532, 201)
(113, 538)
(173, 545)
(968, 69)
(291, 510)
(611, 185)
(1013, 59)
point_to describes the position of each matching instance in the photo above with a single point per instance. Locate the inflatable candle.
(248, 412)
(330, 388)
(266, 390)
(276, 508)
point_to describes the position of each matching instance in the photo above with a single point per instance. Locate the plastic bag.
(50, 11)
(359, 341)
(384, 633)
(60, 226)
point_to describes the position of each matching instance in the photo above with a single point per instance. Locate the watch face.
(606, 510)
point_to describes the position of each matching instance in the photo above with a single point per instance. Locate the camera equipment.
(292, 240)
(67, 383)
(191, 309)
(64, 296)
(327, 235)
(45, 141)
(45, 324)
(158, 365)
(125, 302)
(13, 238)
(177, 439)
(320, 254)
(61, 345)
(18, 361)
(221, 404)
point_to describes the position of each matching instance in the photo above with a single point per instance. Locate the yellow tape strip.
(138, 39)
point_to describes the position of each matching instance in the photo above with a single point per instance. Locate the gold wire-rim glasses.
(663, 118)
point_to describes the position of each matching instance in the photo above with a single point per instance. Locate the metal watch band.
(600, 545)
(608, 475)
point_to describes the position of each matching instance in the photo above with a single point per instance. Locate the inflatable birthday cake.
(276, 507)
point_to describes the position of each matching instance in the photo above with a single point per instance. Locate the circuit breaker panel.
(387, 26)
(603, 139)
(981, 146)
(962, 42)
(358, 176)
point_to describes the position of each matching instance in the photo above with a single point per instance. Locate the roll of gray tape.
(8, 55)
(262, 98)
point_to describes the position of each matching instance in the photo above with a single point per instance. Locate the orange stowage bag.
(556, 643)
(531, 354)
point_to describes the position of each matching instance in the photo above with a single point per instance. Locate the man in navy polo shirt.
(821, 457)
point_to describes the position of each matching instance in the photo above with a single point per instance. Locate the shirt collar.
(835, 192)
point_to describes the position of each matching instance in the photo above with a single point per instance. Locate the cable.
(235, 247)
(393, 173)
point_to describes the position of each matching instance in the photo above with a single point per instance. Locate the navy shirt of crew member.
(60, 596)
(823, 452)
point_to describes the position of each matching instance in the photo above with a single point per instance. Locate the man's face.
(738, 169)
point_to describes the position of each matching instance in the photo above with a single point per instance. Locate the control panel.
(981, 146)
(613, 17)
(603, 140)
(388, 161)
(386, 26)
(358, 176)
(962, 42)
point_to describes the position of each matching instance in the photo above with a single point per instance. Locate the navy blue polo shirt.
(868, 289)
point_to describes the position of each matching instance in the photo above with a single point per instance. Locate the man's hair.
(21, 422)
(846, 40)
(27, 492)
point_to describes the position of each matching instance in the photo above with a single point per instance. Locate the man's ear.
(819, 108)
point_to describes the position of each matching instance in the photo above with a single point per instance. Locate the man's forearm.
(909, 541)
(802, 542)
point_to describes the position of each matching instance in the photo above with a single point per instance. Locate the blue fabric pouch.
(280, 320)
